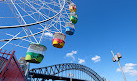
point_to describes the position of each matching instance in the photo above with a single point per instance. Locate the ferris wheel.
(23, 23)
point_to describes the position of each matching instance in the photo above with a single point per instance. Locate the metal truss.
(56, 69)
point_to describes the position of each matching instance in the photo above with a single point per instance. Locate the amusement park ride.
(25, 22)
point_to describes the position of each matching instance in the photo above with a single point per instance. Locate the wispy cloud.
(129, 68)
(81, 61)
(96, 58)
(71, 54)
(48, 34)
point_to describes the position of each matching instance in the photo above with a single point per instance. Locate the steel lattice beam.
(56, 69)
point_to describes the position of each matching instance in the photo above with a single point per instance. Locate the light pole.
(116, 58)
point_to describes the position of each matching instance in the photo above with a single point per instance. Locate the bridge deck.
(43, 76)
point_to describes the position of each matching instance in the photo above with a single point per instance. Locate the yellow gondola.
(72, 7)
(58, 40)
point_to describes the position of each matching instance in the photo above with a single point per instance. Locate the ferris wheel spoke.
(41, 37)
(30, 15)
(43, 32)
(60, 25)
(33, 36)
(10, 40)
(59, 21)
(18, 12)
(21, 17)
(49, 8)
(30, 7)
(28, 28)
(17, 45)
(14, 12)
(16, 26)
(40, 13)
(64, 17)
(29, 35)
(59, 18)
(35, 9)
(23, 21)
(66, 12)
(21, 39)
(56, 27)
(51, 3)
(17, 37)
(48, 30)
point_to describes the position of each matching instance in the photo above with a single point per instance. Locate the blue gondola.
(70, 28)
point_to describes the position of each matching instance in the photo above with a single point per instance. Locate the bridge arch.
(56, 69)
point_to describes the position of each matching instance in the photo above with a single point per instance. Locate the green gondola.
(73, 17)
(35, 53)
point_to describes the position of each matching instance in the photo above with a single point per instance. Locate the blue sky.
(103, 25)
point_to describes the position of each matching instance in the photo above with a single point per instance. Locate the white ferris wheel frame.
(14, 37)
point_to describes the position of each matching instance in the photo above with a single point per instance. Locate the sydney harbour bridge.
(66, 71)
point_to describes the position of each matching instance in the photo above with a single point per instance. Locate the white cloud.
(48, 34)
(71, 61)
(74, 52)
(81, 61)
(71, 54)
(129, 69)
(96, 58)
